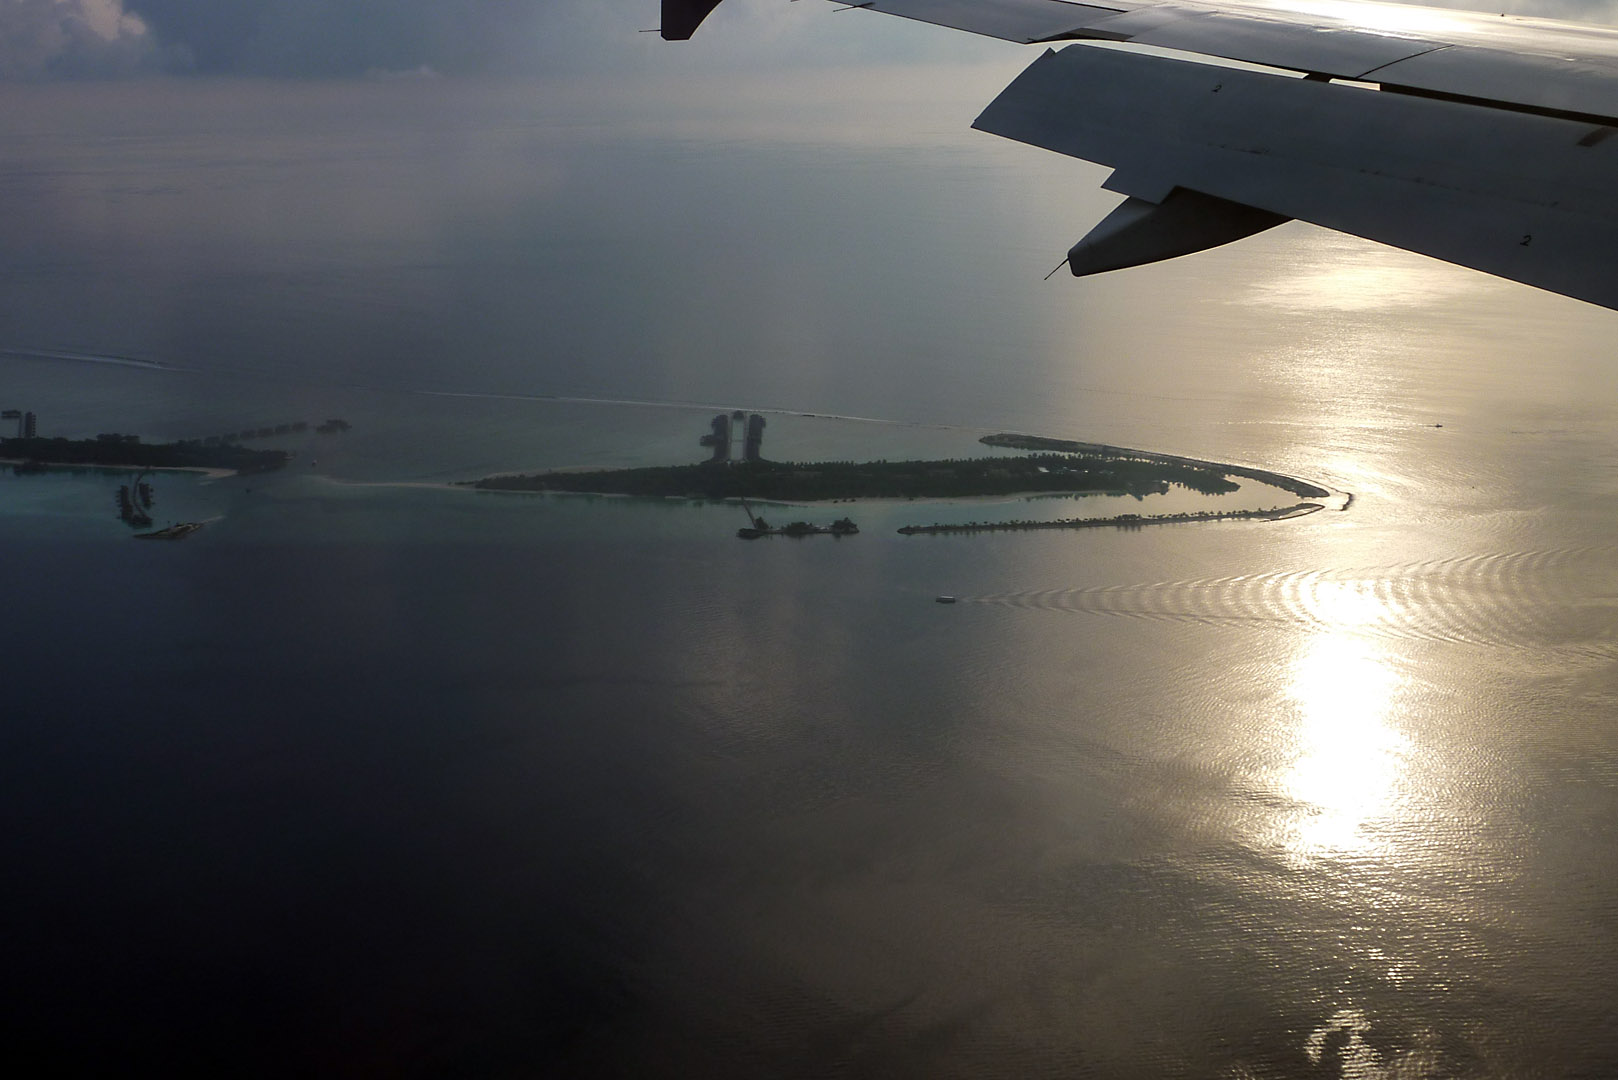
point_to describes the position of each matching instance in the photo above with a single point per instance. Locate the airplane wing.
(1481, 140)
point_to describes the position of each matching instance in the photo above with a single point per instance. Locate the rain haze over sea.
(375, 774)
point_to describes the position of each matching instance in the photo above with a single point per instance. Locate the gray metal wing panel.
(1523, 63)
(1021, 21)
(1325, 48)
(1587, 85)
(1539, 64)
(1525, 197)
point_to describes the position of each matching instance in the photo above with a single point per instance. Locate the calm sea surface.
(377, 775)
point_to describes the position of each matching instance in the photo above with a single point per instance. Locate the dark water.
(375, 776)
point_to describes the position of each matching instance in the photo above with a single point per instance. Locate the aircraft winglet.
(682, 17)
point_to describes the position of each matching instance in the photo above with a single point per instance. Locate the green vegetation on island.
(128, 452)
(1049, 473)
(1103, 452)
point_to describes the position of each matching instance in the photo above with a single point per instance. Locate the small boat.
(173, 532)
(944, 599)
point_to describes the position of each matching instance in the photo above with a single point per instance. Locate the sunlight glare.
(1349, 757)
(1346, 605)
(1373, 282)
(1389, 18)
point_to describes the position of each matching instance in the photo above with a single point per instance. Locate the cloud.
(316, 38)
(44, 39)
(341, 38)
(41, 39)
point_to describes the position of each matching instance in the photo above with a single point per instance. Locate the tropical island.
(1050, 467)
(128, 452)
(785, 481)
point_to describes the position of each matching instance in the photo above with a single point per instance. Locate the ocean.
(379, 774)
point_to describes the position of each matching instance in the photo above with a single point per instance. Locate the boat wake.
(1501, 599)
(83, 358)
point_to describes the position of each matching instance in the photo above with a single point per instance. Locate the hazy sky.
(44, 39)
(631, 217)
(302, 38)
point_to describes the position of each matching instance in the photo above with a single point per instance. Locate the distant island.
(1051, 467)
(1057, 466)
(778, 481)
(116, 450)
(128, 452)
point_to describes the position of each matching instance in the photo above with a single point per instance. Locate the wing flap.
(1528, 64)
(1586, 86)
(1522, 196)
(1317, 48)
(1022, 21)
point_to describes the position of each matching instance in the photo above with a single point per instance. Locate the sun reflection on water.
(1347, 605)
(1334, 273)
(1349, 756)
(1370, 284)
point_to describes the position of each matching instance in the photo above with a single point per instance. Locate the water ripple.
(1498, 599)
